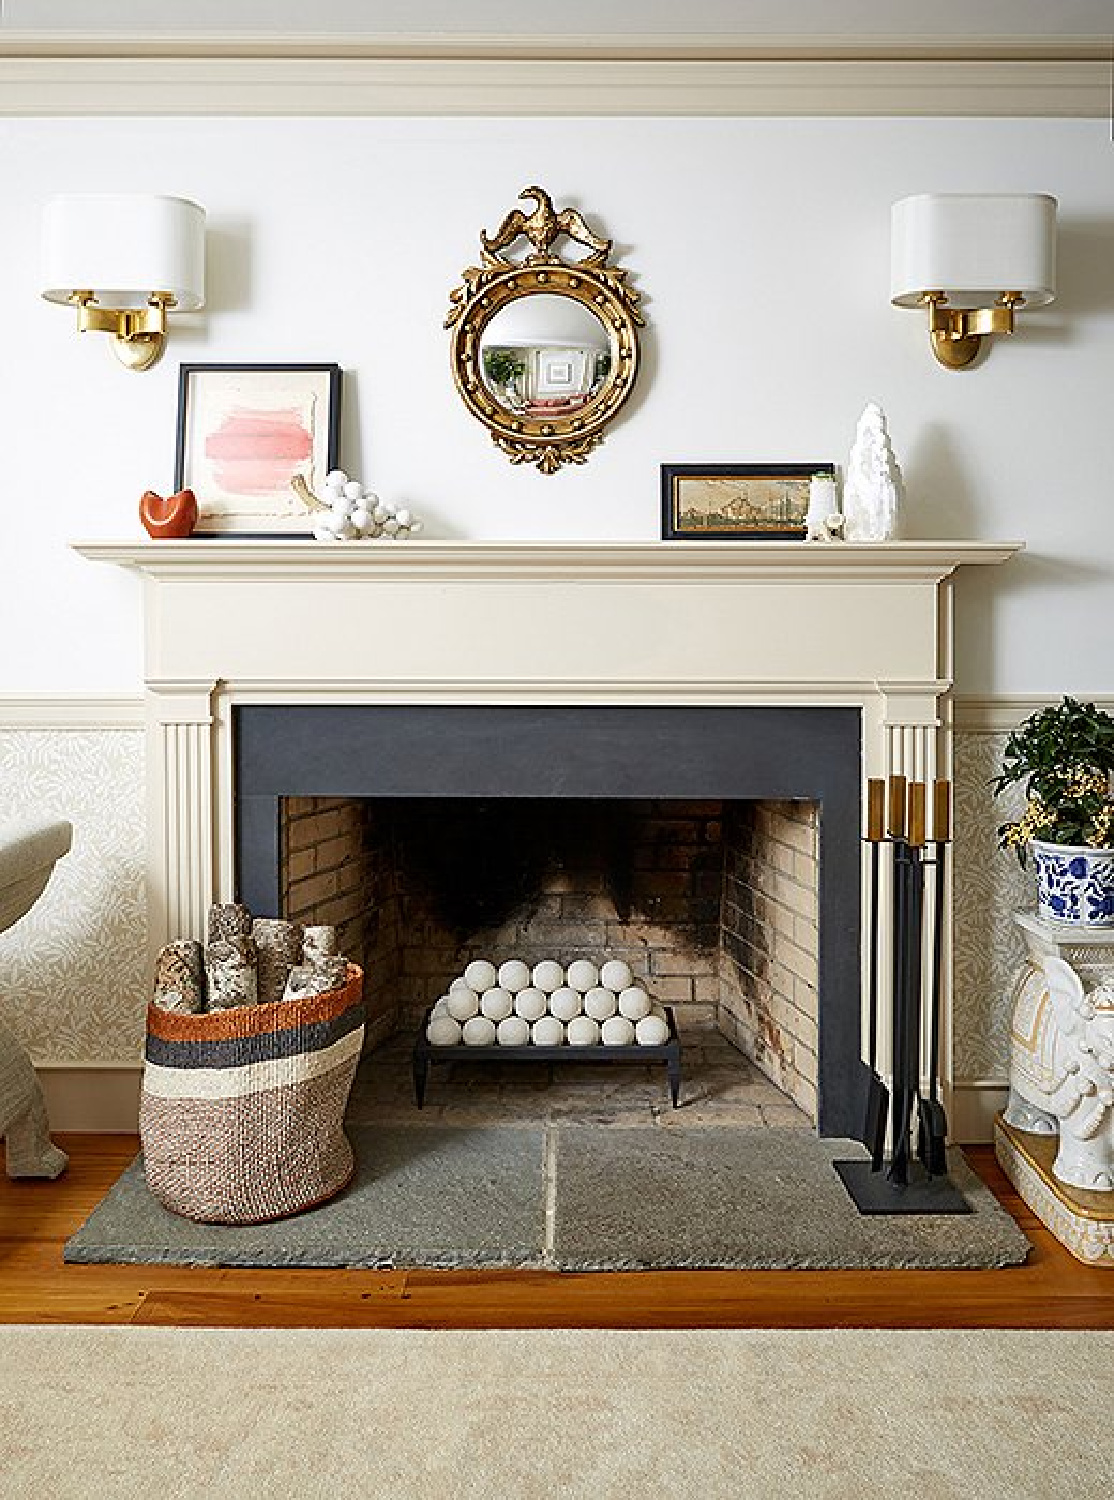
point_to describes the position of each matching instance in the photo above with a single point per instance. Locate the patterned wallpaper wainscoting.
(989, 886)
(73, 972)
(73, 979)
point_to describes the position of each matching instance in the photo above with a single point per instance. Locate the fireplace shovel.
(878, 1095)
(932, 1120)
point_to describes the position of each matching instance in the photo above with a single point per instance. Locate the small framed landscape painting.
(244, 432)
(736, 502)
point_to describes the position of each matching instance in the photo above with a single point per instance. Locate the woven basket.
(241, 1111)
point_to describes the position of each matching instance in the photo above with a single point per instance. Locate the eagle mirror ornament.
(544, 345)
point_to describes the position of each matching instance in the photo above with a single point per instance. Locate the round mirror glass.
(544, 355)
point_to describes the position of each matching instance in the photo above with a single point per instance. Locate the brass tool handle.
(917, 799)
(875, 809)
(941, 811)
(897, 807)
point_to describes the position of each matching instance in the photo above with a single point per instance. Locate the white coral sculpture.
(350, 513)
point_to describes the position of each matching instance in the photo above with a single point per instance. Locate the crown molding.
(196, 76)
(616, 46)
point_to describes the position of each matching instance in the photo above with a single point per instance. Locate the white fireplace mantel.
(228, 622)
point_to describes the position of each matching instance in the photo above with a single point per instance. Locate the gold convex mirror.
(545, 346)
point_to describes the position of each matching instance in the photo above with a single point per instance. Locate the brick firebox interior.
(713, 903)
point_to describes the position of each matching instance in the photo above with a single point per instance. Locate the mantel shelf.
(680, 562)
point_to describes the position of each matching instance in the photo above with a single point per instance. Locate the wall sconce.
(123, 260)
(971, 259)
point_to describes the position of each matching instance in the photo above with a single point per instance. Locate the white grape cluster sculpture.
(546, 1006)
(349, 513)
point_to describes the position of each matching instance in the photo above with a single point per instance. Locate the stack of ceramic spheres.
(248, 961)
(548, 1005)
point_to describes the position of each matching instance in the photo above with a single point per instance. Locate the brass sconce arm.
(957, 332)
(139, 333)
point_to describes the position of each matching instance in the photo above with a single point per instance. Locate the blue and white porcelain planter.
(1075, 885)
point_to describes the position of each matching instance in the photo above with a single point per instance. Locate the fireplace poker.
(878, 1095)
(907, 997)
(932, 1119)
(897, 1011)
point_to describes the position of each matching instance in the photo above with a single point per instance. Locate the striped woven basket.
(241, 1111)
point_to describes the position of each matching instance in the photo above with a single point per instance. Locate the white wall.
(761, 248)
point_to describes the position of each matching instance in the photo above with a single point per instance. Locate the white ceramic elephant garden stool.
(1062, 1071)
(28, 853)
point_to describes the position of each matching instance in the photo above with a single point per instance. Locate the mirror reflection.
(544, 356)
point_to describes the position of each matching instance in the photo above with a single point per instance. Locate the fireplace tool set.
(912, 1181)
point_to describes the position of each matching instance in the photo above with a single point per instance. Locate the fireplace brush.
(932, 1122)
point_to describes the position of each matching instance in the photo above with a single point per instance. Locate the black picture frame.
(783, 523)
(306, 396)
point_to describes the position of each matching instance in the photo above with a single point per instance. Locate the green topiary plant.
(1065, 756)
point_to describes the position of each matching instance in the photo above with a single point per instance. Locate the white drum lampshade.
(124, 260)
(973, 247)
(122, 247)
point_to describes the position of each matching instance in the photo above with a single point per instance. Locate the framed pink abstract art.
(244, 432)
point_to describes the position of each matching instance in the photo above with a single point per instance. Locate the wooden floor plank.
(1052, 1290)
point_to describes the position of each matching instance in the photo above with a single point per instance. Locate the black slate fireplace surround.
(583, 752)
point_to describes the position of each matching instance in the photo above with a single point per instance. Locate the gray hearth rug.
(626, 1198)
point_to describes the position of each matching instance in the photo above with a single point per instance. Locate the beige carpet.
(390, 1415)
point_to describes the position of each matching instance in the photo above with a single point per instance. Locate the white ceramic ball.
(651, 1031)
(616, 975)
(583, 975)
(548, 976)
(480, 975)
(548, 1031)
(615, 1032)
(513, 1031)
(565, 1003)
(583, 1032)
(441, 1007)
(354, 490)
(336, 479)
(600, 1003)
(634, 1003)
(404, 517)
(496, 1004)
(479, 1032)
(443, 1031)
(459, 983)
(514, 975)
(531, 1004)
(463, 1004)
(361, 518)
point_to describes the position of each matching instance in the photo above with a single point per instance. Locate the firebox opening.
(712, 902)
(785, 962)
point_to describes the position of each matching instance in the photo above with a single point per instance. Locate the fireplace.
(548, 780)
(312, 644)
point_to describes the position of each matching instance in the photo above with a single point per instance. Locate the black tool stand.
(903, 1185)
(669, 1053)
(876, 1192)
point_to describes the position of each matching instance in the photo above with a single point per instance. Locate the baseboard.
(974, 1104)
(96, 1100)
